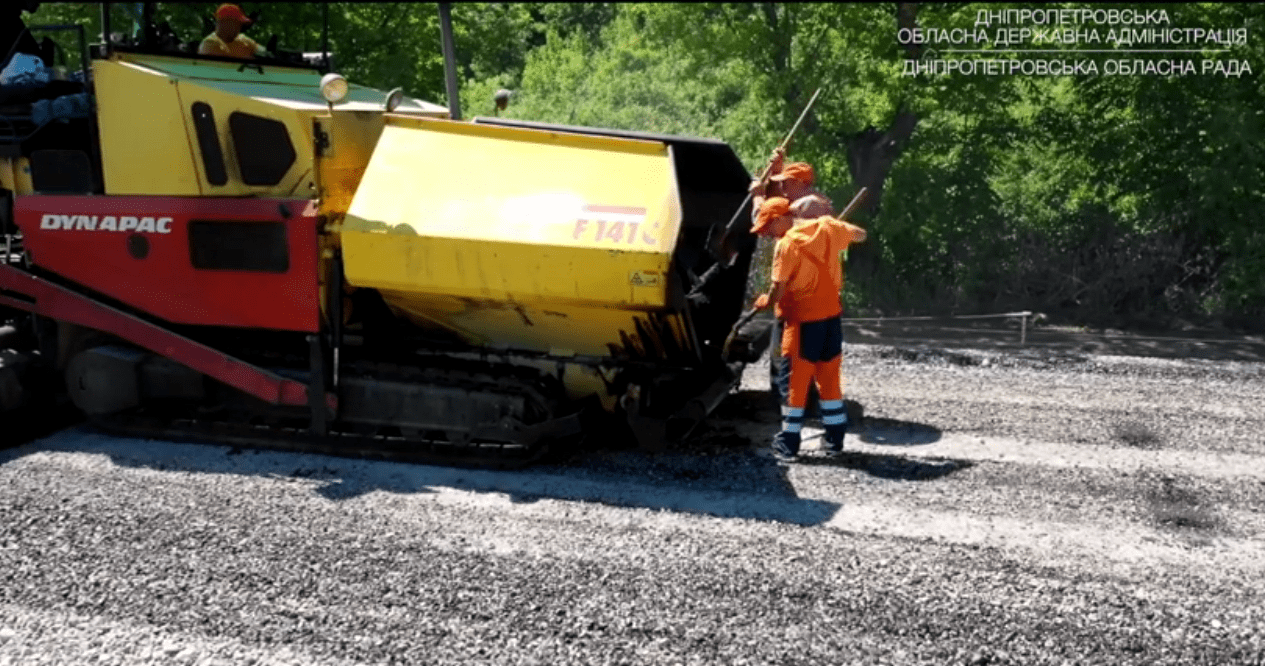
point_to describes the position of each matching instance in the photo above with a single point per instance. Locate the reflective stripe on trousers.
(792, 419)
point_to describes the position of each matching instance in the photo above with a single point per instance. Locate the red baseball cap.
(232, 12)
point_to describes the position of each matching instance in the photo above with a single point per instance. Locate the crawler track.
(291, 437)
(240, 426)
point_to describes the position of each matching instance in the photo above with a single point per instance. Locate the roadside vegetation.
(1096, 197)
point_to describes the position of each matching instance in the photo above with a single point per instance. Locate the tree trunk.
(871, 153)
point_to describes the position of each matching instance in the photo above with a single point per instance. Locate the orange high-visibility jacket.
(807, 260)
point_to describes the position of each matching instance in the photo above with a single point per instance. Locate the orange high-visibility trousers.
(827, 373)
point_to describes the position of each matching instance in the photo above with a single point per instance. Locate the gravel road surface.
(999, 505)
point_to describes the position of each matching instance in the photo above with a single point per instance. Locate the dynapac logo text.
(158, 225)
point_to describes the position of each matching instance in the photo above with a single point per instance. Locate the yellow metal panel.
(149, 145)
(477, 182)
(15, 175)
(492, 212)
(145, 147)
(507, 236)
(542, 327)
(512, 272)
(352, 137)
(299, 181)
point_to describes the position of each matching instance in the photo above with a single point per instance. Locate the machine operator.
(228, 40)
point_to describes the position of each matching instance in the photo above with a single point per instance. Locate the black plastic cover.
(239, 246)
(57, 171)
(209, 143)
(264, 150)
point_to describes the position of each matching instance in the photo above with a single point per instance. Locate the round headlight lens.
(333, 87)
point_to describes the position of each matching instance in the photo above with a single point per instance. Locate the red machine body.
(237, 262)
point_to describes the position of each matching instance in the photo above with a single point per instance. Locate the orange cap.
(801, 171)
(770, 210)
(232, 12)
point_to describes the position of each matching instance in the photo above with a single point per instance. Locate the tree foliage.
(1102, 195)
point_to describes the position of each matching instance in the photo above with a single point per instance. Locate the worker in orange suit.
(807, 281)
(794, 182)
(228, 40)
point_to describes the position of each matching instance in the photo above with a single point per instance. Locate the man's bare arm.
(773, 297)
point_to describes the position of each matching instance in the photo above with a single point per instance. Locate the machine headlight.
(394, 99)
(333, 87)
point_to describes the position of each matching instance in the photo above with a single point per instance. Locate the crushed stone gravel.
(993, 508)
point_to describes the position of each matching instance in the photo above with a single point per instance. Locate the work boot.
(834, 439)
(786, 446)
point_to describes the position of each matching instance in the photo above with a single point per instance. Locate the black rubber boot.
(834, 439)
(786, 446)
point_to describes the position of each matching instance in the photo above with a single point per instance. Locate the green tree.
(1101, 194)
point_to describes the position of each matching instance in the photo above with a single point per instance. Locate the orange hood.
(813, 237)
